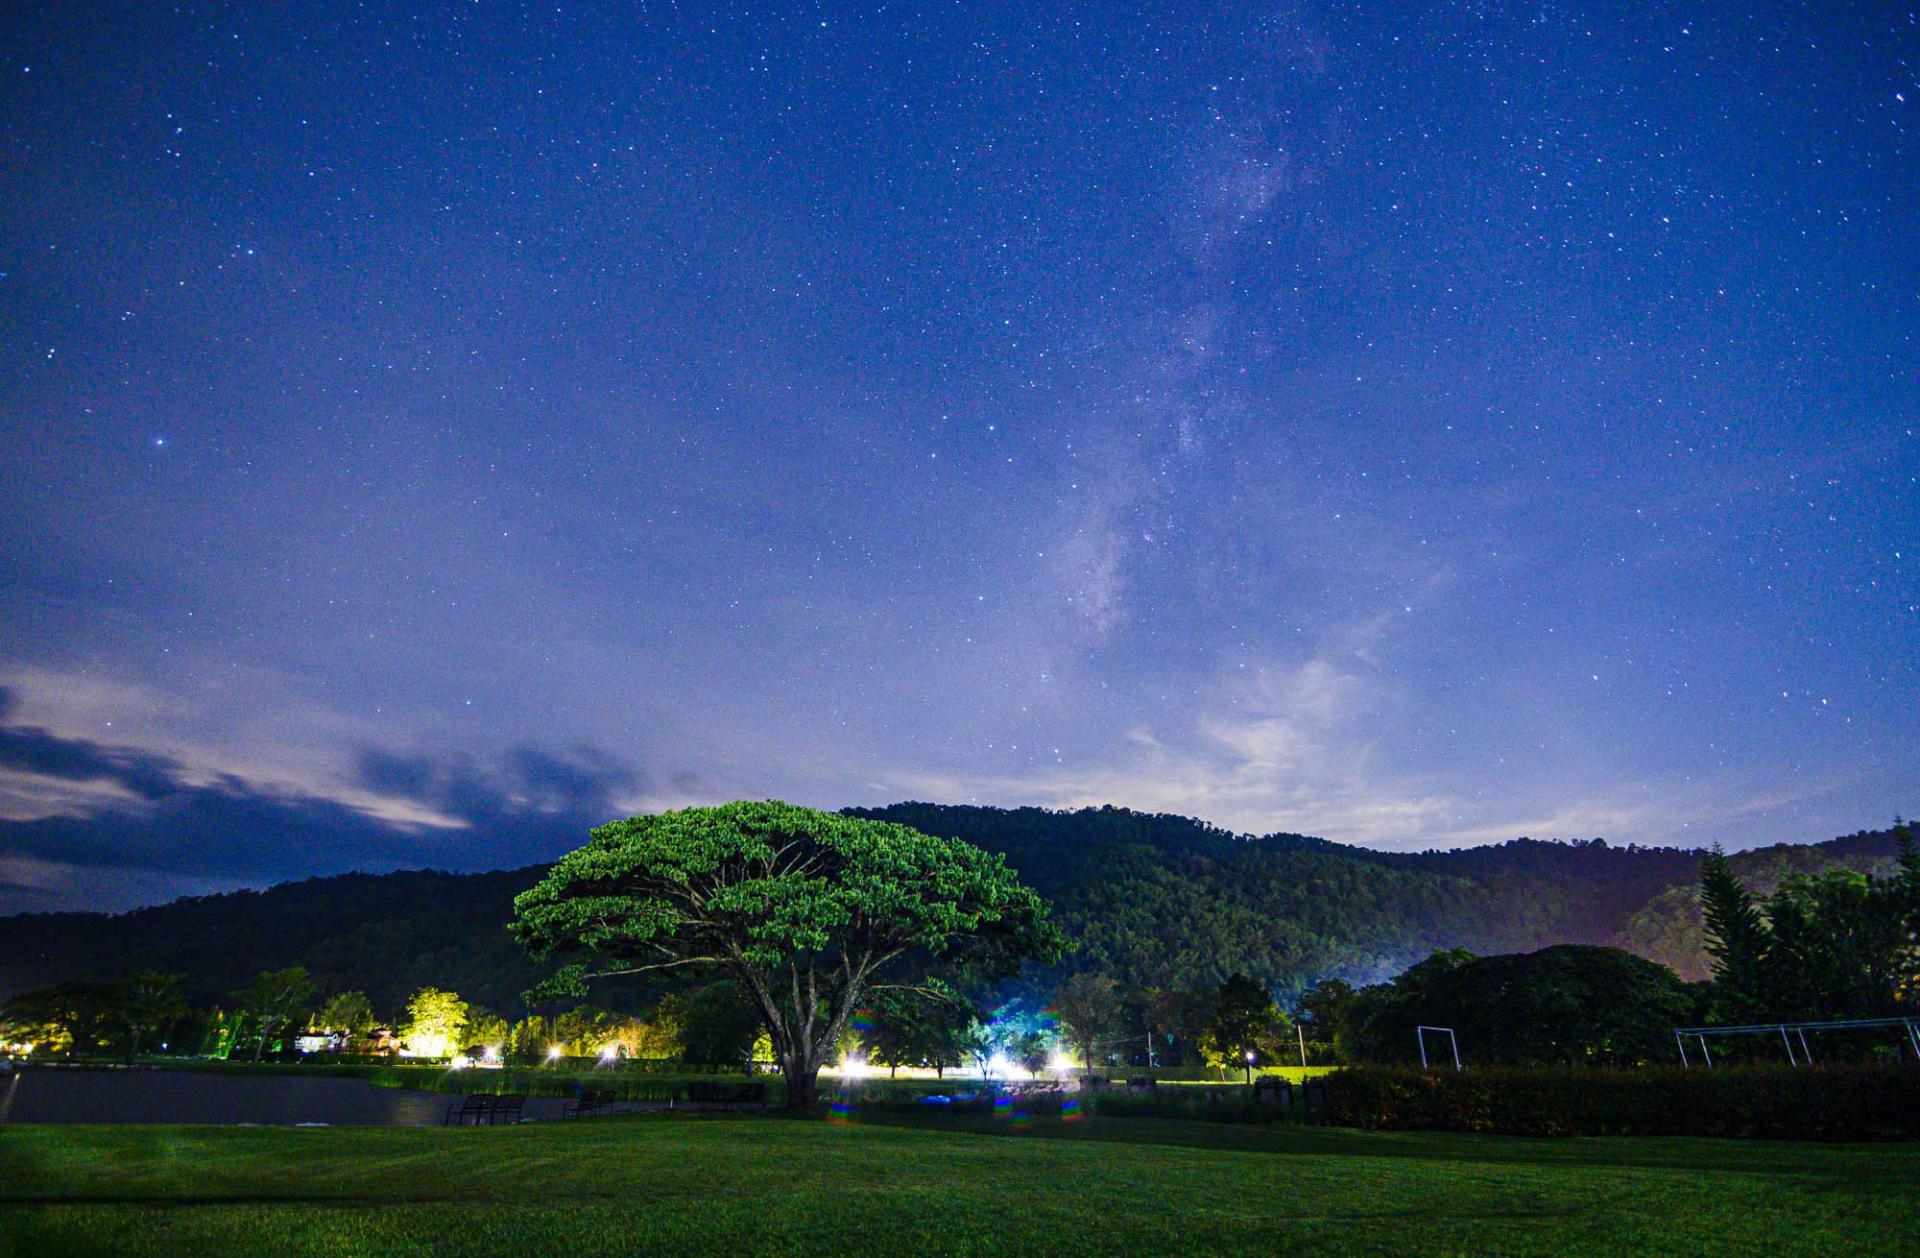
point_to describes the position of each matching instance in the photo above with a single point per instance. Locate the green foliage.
(718, 1026)
(926, 1025)
(67, 1017)
(127, 1015)
(1090, 1011)
(1322, 1011)
(1154, 901)
(1571, 1005)
(1736, 938)
(1830, 943)
(349, 1014)
(485, 1029)
(804, 910)
(1837, 1102)
(1245, 1027)
(436, 1023)
(530, 1038)
(274, 1002)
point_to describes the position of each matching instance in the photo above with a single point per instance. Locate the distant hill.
(1154, 899)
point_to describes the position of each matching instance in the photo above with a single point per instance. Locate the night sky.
(427, 435)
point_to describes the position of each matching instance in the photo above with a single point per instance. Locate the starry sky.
(426, 434)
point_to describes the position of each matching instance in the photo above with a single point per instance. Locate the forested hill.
(1160, 900)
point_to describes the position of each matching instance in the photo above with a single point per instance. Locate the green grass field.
(949, 1184)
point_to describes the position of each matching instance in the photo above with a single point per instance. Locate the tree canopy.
(806, 910)
(1575, 1004)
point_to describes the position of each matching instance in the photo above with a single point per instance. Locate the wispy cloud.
(118, 818)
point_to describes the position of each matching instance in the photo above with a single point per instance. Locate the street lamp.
(1249, 1067)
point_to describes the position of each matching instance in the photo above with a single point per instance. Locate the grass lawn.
(948, 1184)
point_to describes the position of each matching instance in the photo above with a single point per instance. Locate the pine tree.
(1736, 938)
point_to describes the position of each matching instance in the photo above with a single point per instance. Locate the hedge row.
(1774, 1102)
(620, 1085)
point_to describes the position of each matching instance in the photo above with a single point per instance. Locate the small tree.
(807, 911)
(274, 1001)
(1090, 1009)
(435, 1021)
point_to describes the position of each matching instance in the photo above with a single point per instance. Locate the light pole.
(1249, 1067)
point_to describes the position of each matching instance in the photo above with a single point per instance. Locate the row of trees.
(146, 1012)
(1834, 943)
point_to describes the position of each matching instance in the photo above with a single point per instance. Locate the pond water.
(63, 1095)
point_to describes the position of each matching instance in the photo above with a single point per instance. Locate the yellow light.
(1061, 1063)
(460, 1062)
(555, 1053)
(610, 1052)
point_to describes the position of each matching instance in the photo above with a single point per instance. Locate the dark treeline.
(1155, 904)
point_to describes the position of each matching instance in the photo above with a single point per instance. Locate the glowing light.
(460, 1062)
(852, 1067)
(998, 1064)
(555, 1053)
(1060, 1063)
(1249, 1057)
(492, 1052)
(610, 1053)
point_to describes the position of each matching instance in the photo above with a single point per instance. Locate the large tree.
(807, 911)
(1572, 1004)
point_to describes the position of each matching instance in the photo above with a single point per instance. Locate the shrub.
(1838, 1102)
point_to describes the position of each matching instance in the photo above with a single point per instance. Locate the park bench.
(590, 1102)
(485, 1110)
(735, 1095)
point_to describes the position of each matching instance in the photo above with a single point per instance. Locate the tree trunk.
(802, 1071)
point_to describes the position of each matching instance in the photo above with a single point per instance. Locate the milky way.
(428, 434)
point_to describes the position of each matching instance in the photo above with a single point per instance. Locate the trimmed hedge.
(1838, 1102)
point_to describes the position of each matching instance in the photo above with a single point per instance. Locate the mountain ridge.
(1151, 898)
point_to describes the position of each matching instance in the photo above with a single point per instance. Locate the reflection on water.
(61, 1095)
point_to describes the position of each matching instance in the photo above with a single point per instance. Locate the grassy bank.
(959, 1185)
